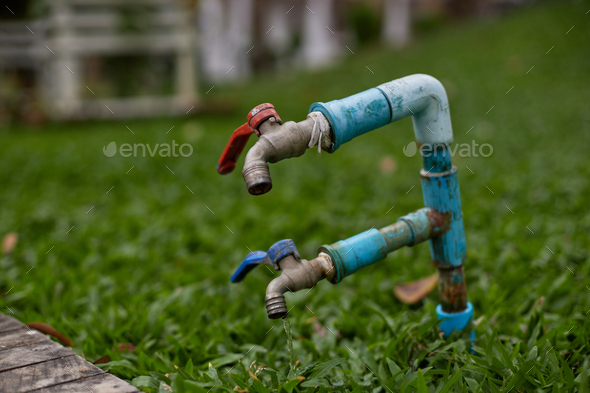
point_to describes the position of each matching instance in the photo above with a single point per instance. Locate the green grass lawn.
(117, 250)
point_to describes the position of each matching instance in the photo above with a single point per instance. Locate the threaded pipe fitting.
(276, 307)
(257, 179)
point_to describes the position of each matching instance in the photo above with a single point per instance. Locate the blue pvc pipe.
(356, 252)
(424, 99)
(440, 191)
(370, 246)
(420, 96)
(355, 115)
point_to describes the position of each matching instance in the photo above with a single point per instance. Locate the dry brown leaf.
(102, 359)
(46, 329)
(415, 291)
(320, 329)
(125, 347)
(387, 165)
(312, 319)
(9, 242)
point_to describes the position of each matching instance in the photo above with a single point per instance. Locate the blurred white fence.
(54, 48)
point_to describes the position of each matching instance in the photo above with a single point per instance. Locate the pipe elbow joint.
(424, 98)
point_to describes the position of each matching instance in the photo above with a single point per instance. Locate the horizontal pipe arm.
(373, 245)
(420, 96)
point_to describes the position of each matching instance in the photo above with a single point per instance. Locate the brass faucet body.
(276, 142)
(295, 276)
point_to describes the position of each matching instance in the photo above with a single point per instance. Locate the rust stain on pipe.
(451, 287)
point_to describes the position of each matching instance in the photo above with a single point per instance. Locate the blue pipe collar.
(454, 321)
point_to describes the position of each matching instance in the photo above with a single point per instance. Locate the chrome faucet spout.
(295, 276)
(277, 142)
(256, 172)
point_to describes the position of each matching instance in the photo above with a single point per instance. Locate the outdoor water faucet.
(296, 273)
(330, 125)
(276, 142)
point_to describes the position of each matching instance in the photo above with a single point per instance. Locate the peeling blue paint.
(373, 245)
(420, 96)
(355, 115)
(440, 191)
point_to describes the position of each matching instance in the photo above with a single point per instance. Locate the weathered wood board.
(52, 372)
(31, 354)
(100, 383)
(21, 337)
(7, 324)
(29, 361)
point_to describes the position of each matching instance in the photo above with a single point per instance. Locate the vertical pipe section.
(440, 190)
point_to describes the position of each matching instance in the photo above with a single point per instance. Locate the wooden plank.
(133, 107)
(20, 338)
(37, 25)
(31, 354)
(102, 383)
(113, 3)
(110, 19)
(95, 44)
(52, 372)
(8, 323)
(29, 360)
(19, 39)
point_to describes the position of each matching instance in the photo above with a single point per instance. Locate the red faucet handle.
(239, 138)
(260, 114)
(237, 142)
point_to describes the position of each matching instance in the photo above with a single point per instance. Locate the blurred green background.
(150, 263)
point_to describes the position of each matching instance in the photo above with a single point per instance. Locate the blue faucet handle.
(252, 260)
(275, 253)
